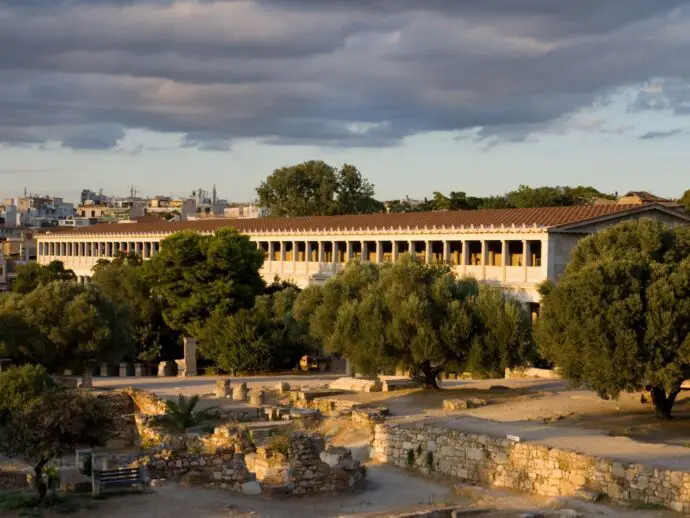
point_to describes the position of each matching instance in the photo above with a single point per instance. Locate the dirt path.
(390, 492)
(388, 489)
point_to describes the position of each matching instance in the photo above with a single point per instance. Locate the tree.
(355, 193)
(415, 316)
(263, 338)
(619, 318)
(122, 280)
(22, 386)
(181, 415)
(502, 333)
(685, 201)
(196, 276)
(31, 275)
(49, 423)
(65, 326)
(315, 188)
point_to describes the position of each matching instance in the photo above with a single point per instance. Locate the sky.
(478, 96)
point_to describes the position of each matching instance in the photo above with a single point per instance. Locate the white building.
(516, 249)
(244, 210)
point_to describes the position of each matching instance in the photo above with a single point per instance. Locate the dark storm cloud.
(332, 73)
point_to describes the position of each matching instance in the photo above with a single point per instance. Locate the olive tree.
(418, 317)
(619, 318)
(41, 421)
(64, 325)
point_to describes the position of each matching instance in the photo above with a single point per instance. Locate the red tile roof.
(545, 217)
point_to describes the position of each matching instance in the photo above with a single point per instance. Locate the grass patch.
(279, 443)
(29, 504)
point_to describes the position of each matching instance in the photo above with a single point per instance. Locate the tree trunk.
(430, 375)
(663, 402)
(39, 485)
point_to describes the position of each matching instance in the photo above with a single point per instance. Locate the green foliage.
(31, 275)
(196, 276)
(63, 325)
(122, 280)
(315, 188)
(21, 387)
(415, 316)
(265, 337)
(279, 443)
(182, 414)
(33, 503)
(619, 318)
(523, 197)
(52, 423)
(502, 333)
(685, 201)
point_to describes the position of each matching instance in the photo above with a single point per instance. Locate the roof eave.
(573, 227)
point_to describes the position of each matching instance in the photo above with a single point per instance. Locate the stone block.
(86, 381)
(356, 385)
(126, 369)
(257, 397)
(239, 392)
(223, 389)
(166, 368)
(141, 369)
(462, 404)
(251, 488)
(391, 385)
(304, 413)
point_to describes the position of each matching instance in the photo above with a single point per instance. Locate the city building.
(244, 210)
(16, 248)
(110, 213)
(516, 249)
(181, 208)
(91, 197)
(35, 211)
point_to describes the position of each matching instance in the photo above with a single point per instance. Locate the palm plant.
(181, 415)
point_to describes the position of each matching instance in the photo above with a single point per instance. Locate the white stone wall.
(526, 467)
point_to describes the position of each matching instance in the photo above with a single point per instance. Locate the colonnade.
(98, 249)
(477, 252)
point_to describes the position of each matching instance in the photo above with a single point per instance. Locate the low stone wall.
(223, 469)
(369, 415)
(526, 467)
(270, 467)
(310, 474)
(147, 403)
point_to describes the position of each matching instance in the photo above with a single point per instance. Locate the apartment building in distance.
(35, 211)
(17, 247)
(516, 249)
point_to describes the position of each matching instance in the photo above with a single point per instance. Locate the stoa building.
(516, 249)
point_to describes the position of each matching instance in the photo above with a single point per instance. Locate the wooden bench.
(119, 478)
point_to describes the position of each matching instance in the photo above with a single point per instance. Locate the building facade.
(516, 249)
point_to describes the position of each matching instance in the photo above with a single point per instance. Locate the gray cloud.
(337, 73)
(651, 135)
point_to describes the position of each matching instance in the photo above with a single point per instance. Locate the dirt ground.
(542, 411)
(390, 491)
(544, 401)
